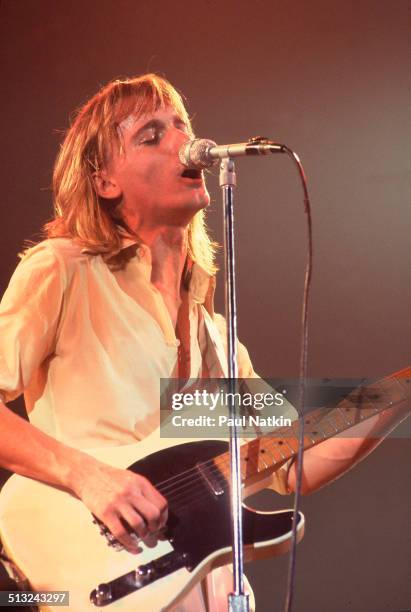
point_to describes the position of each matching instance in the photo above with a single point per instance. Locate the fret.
(316, 431)
(270, 451)
(347, 415)
(251, 454)
(267, 450)
(295, 430)
(314, 416)
(338, 421)
(312, 429)
(280, 432)
(309, 439)
(292, 443)
(287, 442)
(280, 447)
(276, 452)
(328, 427)
(262, 458)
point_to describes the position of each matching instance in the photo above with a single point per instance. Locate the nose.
(178, 138)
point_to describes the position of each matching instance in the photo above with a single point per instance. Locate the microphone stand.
(237, 600)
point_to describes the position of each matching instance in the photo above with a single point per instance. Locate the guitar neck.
(265, 454)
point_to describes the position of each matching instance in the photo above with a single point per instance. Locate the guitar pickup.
(211, 478)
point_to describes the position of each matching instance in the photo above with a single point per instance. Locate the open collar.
(199, 283)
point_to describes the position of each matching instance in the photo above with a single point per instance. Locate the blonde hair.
(95, 223)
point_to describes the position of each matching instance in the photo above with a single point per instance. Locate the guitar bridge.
(112, 541)
(110, 592)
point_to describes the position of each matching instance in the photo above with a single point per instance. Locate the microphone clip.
(260, 140)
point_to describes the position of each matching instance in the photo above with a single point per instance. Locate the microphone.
(203, 153)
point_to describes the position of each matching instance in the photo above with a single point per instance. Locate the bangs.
(141, 97)
(138, 97)
(102, 116)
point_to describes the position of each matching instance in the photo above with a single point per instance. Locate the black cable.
(302, 382)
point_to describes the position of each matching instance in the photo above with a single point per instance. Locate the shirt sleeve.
(29, 316)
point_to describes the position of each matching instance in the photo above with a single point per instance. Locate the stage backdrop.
(329, 79)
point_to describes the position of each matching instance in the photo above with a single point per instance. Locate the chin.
(203, 199)
(205, 202)
(197, 202)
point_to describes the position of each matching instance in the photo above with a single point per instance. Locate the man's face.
(153, 184)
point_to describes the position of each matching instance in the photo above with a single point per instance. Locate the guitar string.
(211, 468)
(186, 484)
(283, 434)
(182, 496)
(211, 461)
(192, 485)
(192, 495)
(187, 500)
(178, 496)
(193, 472)
(215, 471)
(186, 479)
(186, 495)
(182, 483)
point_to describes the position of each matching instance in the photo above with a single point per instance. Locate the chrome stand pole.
(238, 600)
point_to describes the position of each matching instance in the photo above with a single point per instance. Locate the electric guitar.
(52, 539)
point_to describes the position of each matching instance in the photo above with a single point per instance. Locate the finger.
(148, 511)
(119, 531)
(134, 521)
(158, 500)
(151, 541)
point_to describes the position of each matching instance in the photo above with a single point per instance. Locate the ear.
(106, 187)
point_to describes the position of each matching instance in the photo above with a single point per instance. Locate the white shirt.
(87, 343)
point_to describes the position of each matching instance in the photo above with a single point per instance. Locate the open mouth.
(191, 173)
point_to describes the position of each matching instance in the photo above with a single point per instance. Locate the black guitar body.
(199, 518)
(199, 523)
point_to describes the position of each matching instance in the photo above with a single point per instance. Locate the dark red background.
(331, 80)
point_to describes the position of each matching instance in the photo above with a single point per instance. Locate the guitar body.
(51, 537)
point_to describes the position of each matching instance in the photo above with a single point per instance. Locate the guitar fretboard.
(265, 454)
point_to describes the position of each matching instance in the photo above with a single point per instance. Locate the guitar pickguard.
(199, 521)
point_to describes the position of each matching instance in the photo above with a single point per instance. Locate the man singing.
(118, 296)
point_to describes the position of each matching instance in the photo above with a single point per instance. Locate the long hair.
(79, 212)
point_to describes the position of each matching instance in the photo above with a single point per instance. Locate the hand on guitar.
(125, 502)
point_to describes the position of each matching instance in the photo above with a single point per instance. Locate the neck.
(168, 246)
(169, 252)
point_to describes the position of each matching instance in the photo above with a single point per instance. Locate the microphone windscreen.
(193, 153)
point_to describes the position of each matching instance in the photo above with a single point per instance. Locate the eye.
(151, 136)
(183, 127)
